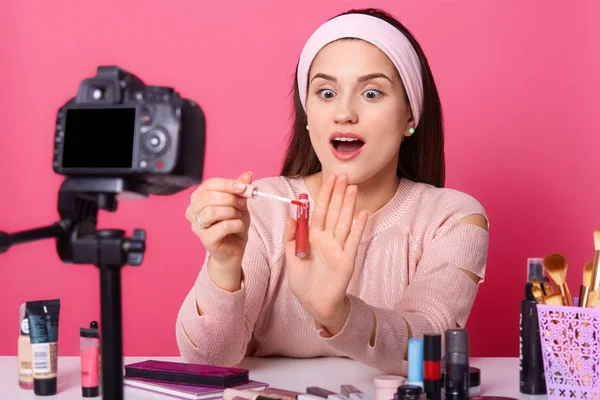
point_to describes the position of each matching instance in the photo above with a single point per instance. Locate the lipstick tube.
(302, 227)
(432, 354)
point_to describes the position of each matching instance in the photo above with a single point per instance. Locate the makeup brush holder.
(570, 340)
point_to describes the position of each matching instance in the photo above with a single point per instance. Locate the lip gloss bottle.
(302, 227)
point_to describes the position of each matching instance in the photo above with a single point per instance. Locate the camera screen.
(99, 138)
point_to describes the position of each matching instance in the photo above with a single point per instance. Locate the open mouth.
(346, 144)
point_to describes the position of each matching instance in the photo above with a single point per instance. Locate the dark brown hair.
(421, 154)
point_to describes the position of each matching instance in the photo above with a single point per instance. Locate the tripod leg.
(112, 336)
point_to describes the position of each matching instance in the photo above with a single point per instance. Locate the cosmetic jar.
(386, 386)
(410, 392)
(474, 381)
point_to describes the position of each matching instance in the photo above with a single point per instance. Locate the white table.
(499, 376)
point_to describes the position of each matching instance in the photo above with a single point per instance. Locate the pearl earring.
(411, 130)
(306, 127)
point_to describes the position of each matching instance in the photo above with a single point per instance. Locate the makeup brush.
(554, 300)
(538, 294)
(547, 285)
(556, 266)
(595, 272)
(536, 283)
(584, 289)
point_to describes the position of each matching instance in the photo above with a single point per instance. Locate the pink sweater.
(408, 270)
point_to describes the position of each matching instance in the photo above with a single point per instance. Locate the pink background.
(518, 80)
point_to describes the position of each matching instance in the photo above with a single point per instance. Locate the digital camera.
(117, 126)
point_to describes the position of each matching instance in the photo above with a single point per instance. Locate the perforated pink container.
(570, 338)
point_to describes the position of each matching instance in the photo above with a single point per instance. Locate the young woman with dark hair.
(392, 253)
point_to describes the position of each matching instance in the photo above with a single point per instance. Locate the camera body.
(117, 126)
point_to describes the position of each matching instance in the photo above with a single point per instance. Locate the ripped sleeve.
(439, 297)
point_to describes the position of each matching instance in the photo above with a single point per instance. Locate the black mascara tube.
(456, 385)
(531, 363)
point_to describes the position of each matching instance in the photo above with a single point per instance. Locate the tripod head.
(79, 200)
(117, 139)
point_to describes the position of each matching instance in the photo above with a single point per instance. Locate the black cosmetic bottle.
(456, 362)
(531, 362)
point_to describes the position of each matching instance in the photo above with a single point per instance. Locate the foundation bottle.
(24, 352)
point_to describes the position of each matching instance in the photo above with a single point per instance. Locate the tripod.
(78, 242)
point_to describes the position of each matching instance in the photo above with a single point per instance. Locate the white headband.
(377, 32)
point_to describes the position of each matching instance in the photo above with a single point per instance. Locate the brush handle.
(595, 272)
(564, 293)
(568, 298)
(584, 292)
(592, 296)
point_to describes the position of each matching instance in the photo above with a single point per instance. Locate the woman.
(393, 254)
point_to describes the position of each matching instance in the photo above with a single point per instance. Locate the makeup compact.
(196, 374)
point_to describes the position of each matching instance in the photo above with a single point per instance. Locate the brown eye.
(373, 94)
(326, 93)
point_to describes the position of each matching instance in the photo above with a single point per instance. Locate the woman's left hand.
(320, 280)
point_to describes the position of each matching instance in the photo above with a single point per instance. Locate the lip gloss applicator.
(251, 192)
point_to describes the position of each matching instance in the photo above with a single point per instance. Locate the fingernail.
(239, 214)
(239, 186)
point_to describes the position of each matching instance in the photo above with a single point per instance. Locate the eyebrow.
(363, 78)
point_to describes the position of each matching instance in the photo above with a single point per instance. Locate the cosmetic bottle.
(24, 352)
(432, 354)
(43, 317)
(415, 362)
(456, 359)
(410, 392)
(535, 269)
(531, 362)
(90, 356)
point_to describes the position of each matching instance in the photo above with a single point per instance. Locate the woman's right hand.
(219, 217)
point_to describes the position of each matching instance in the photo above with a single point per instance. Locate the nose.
(345, 112)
